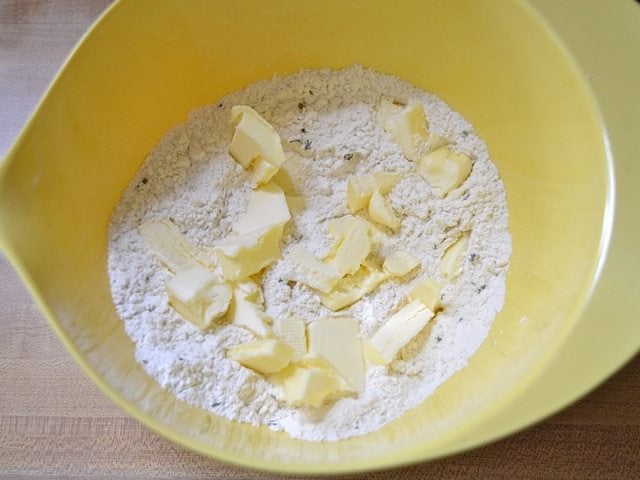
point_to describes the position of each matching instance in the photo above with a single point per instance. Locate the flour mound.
(190, 178)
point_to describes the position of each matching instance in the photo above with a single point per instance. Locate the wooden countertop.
(54, 423)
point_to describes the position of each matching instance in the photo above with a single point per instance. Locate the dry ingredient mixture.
(330, 119)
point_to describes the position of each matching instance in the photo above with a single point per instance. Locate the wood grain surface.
(54, 423)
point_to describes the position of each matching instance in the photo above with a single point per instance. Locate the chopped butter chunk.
(352, 288)
(256, 243)
(255, 143)
(452, 260)
(360, 189)
(198, 297)
(410, 130)
(249, 314)
(437, 141)
(352, 249)
(397, 332)
(338, 227)
(309, 383)
(388, 107)
(427, 291)
(240, 256)
(251, 291)
(172, 248)
(381, 211)
(267, 206)
(400, 263)
(312, 272)
(292, 330)
(264, 356)
(444, 170)
(337, 340)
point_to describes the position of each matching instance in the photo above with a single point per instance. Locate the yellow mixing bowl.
(547, 85)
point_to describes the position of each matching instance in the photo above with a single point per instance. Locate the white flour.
(190, 177)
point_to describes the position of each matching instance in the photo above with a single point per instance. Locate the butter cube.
(263, 171)
(251, 291)
(240, 256)
(352, 249)
(352, 288)
(310, 271)
(256, 143)
(437, 141)
(397, 332)
(388, 107)
(452, 260)
(337, 340)
(197, 296)
(381, 211)
(427, 291)
(267, 206)
(264, 356)
(292, 330)
(248, 314)
(400, 263)
(172, 248)
(444, 170)
(338, 227)
(410, 130)
(309, 383)
(360, 189)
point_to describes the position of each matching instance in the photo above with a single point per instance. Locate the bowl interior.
(149, 62)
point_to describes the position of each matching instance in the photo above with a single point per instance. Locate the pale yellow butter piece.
(338, 227)
(255, 142)
(310, 271)
(352, 288)
(267, 206)
(240, 256)
(444, 170)
(381, 211)
(360, 189)
(337, 340)
(263, 171)
(453, 259)
(264, 356)
(292, 330)
(397, 332)
(387, 107)
(311, 382)
(427, 291)
(172, 248)
(352, 249)
(400, 263)
(246, 313)
(251, 291)
(410, 130)
(197, 296)
(437, 141)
